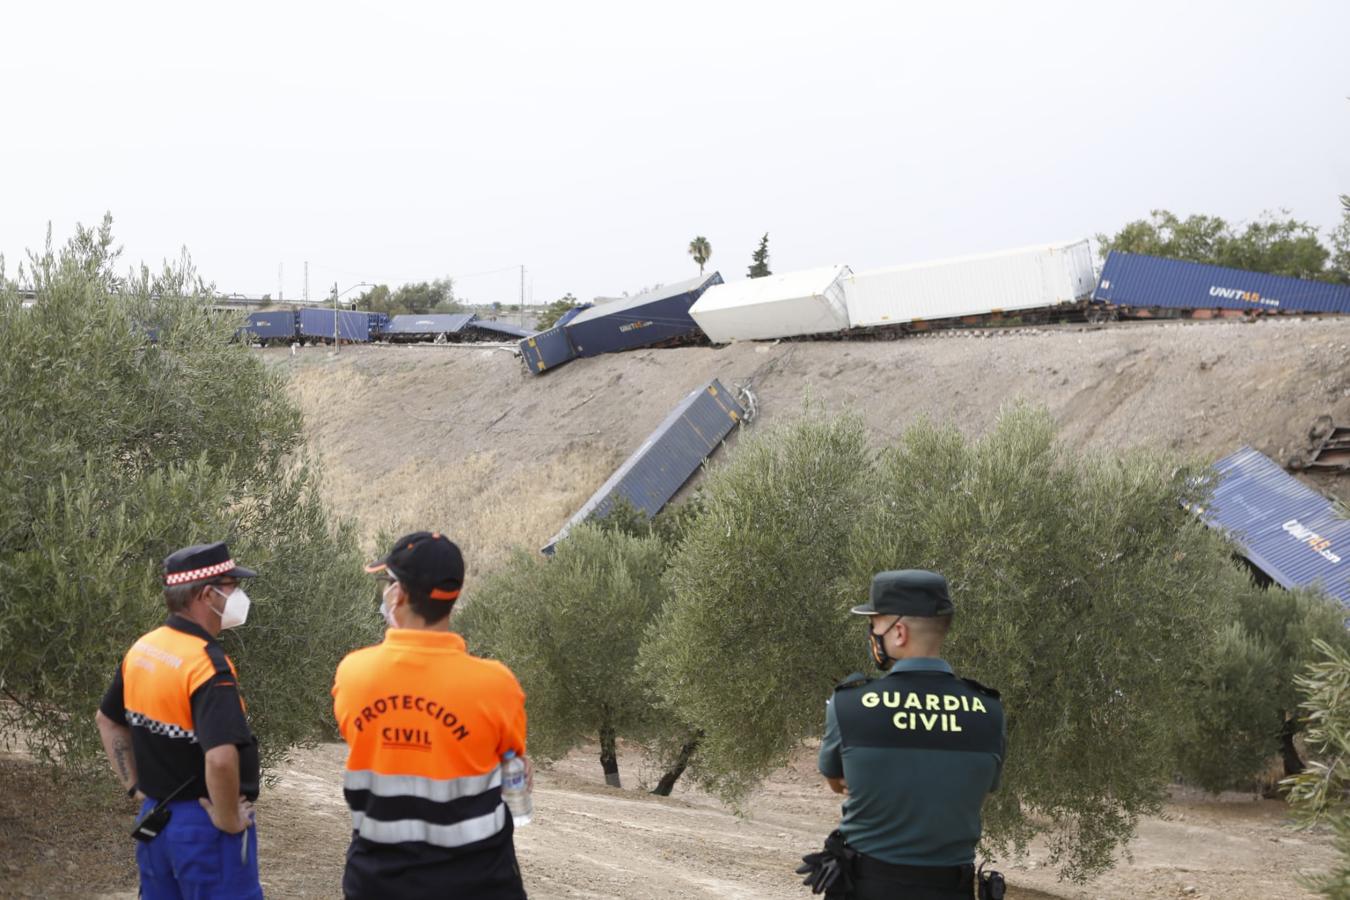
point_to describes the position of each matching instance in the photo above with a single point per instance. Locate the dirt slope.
(463, 439)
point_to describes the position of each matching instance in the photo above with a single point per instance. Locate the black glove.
(821, 870)
(829, 870)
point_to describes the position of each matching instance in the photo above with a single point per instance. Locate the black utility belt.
(871, 868)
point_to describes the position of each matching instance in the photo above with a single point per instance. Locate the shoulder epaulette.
(216, 654)
(857, 679)
(987, 691)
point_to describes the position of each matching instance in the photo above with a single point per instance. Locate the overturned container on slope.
(1038, 277)
(546, 350)
(810, 301)
(1283, 527)
(667, 459)
(652, 317)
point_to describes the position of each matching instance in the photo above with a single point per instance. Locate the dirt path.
(592, 841)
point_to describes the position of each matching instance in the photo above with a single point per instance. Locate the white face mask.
(235, 612)
(384, 607)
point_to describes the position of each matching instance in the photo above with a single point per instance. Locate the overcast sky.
(395, 142)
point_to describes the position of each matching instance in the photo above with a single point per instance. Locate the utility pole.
(281, 281)
(522, 296)
(306, 281)
(335, 318)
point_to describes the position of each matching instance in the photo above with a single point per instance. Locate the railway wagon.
(1027, 278)
(1137, 283)
(317, 326)
(276, 326)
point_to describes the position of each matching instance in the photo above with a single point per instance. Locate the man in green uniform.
(914, 752)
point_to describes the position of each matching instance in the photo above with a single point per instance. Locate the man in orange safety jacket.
(426, 725)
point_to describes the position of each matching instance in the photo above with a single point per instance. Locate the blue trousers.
(191, 859)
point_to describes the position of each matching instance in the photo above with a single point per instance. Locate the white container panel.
(787, 305)
(1029, 278)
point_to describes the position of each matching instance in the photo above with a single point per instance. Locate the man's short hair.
(431, 611)
(933, 628)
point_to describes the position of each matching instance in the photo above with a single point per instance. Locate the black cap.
(908, 592)
(202, 562)
(425, 559)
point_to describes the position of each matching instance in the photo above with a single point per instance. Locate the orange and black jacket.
(426, 724)
(179, 693)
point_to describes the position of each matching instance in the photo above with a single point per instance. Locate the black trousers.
(876, 880)
(486, 870)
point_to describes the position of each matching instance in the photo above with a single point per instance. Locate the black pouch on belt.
(991, 885)
(829, 872)
(148, 826)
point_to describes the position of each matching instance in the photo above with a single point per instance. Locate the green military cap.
(907, 592)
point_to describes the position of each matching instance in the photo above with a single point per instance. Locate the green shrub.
(118, 451)
(1319, 794)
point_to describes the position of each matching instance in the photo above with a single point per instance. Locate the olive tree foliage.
(1272, 243)
(1319, 793)
(1244, 699)
(751, 641)
(570, 628)
(117, 451)
(1083, 591)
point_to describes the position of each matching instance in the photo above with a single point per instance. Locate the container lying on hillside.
(1139, 281)
(426, 327)
(810, 301)
(546, 350)
(352, 325)
(1036, 277)
(652, 317)
(1285, 528)
(277, 326)
(667, 459)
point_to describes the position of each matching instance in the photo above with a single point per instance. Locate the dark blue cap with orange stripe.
(425, 559)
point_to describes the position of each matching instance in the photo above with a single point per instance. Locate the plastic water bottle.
(515, 788)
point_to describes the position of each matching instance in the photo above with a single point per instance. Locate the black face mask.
(878, 647)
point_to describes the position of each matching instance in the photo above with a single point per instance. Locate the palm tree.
(701, 251)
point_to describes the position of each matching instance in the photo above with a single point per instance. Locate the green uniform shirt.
(920, 749)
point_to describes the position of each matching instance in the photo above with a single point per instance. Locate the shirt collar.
(922, 664)
(416, 637)
(187, 626)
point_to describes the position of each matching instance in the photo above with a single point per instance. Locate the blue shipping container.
(667, 459)
(427, 325)
(505, 330)
(572, 314)
(1287, 530)
(649, 318)
(318, 324)
(1133, 279)
(546, 350)
(276, 325)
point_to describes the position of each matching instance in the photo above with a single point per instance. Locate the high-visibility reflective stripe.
(438, 790)
(154, 726)
(406, 830)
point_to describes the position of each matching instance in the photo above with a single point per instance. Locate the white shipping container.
(810, 301)
(1027, 278)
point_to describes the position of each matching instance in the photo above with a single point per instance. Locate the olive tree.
(1083, 590)
(1319, 794)
(119, 449)
(570, 628)
(1244, 698)
(750, 640)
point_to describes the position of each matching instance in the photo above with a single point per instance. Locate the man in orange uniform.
(174, 728)
(426, 725)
